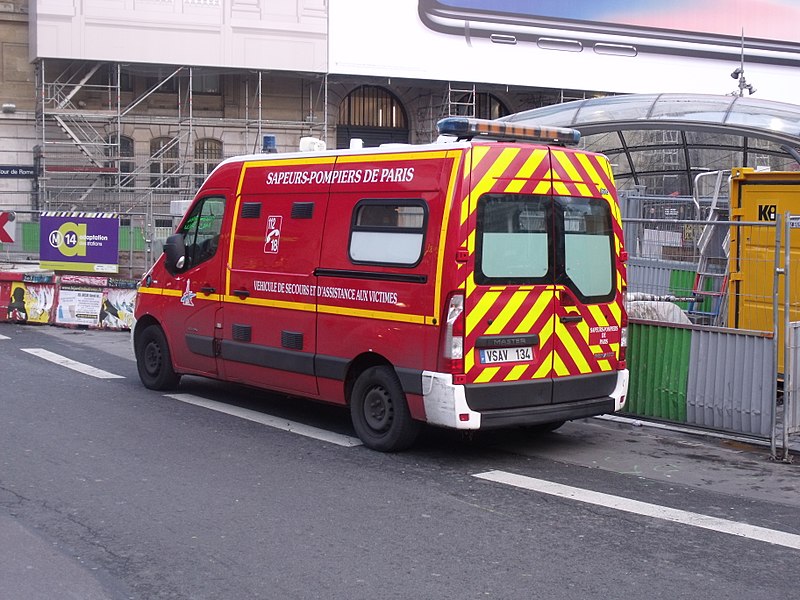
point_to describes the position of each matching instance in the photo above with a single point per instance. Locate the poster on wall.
(116, 311)
(84, 242)
(79, 305)
(30, 302)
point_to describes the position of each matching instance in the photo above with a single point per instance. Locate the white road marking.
(771, 536)
(4, 337)
(71, 364)
(268, 420)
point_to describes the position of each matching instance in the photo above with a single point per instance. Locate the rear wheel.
(380, 412)
(154, 362)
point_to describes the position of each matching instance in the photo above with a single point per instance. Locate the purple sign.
(86, 242)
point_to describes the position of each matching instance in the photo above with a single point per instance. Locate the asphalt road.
(108, 490)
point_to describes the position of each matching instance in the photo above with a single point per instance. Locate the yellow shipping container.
(761, 196)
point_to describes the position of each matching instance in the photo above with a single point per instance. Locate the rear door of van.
(589, 276)
(542, 293)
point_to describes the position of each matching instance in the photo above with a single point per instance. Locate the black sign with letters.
(11, 171)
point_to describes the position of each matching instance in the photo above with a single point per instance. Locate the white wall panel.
(261, 34)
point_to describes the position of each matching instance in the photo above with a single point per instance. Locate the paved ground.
(32, 568)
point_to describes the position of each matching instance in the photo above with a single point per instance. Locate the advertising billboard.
(85, 242)
(603, 45)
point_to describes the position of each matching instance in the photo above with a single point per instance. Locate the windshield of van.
(526, 239)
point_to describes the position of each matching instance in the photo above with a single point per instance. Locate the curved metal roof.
(653, 139)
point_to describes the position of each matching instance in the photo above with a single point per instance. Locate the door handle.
(241, 293)
(208, 290)
(571, 318)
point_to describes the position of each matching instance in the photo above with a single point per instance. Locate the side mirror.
(174, 253)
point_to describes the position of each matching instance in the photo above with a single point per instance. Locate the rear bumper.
(446, 404)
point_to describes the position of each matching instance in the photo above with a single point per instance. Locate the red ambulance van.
(473, 283)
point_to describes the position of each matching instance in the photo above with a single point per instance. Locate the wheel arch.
(358, 365)
(140, 325)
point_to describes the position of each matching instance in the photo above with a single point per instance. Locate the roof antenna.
(738, 73)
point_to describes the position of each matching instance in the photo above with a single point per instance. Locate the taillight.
(453, 343)
(623, 340)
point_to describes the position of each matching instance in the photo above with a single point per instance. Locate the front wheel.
(380, 412)
(154, 362)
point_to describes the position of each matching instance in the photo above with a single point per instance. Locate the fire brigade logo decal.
(272, 238)
(188, 295)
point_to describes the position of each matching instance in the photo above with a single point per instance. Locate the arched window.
(372, 114)
(164, 162)
(485, 105)
(207, 155)
(126, 167)
(117, 160)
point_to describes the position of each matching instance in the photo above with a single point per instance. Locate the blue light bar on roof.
(466, 128)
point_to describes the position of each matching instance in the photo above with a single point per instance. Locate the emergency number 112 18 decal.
(272, 238)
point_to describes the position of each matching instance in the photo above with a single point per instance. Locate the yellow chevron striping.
(509, 310)
(561, 188)
(559, 368)
(470, 284)
(477, 313)
(526, 171)
(469, 361)
(487, 375)
(540, 306)
(597, 315)
(567, 165)
(474, 158)
(487, 182)
(569, 345)
(516, 373)
(544, 186)
(616, 312)
(545, 367)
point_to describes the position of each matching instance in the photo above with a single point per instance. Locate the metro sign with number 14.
(7, 227)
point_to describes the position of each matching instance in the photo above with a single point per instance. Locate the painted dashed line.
(71, 364)
(753, 532)
(268, 420)
(4, 337)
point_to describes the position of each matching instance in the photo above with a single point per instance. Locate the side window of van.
(201, 230)
(388, 232)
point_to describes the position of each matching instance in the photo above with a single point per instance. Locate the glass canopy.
(658, 143)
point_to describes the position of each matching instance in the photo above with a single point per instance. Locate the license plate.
(491, 356)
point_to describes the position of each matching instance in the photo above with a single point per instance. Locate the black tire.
(545, 427)
(380, 412)
(154, 362)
